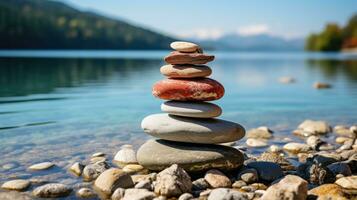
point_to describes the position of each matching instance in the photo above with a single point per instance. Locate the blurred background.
(76, 75)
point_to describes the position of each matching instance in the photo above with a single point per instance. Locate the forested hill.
(42, 24)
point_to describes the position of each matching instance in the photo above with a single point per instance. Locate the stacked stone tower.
(188, 131)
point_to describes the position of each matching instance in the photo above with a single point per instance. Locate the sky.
(209, 19)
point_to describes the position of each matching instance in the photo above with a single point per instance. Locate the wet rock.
(9, 166)
(98, 154)
(290, 187)
(267, 171)
(18, 184)
(261, 133)
(173, 181)
(328, 191)
(286, 79)
(92, 171)
(226, 194)
(86, 193)
(145, 184)
(276, 158)
(315, 173)
(320, 85)
(323, 159)
(77, 168)
(185, 196)
(315, 127)
(217, 179)
(111, 179)
(248, 175)
(252, 142)
(275, 149)
(52, 190)
(295, 147)
(340, 168)
(352, 163)
(41, 166)
(200, 184)
(138, 194)
(118, 194)
(126, 155)
(314, 142)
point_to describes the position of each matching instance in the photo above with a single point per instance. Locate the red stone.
(176, 57)
(196, 89)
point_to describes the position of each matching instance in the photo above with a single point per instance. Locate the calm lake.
(63, 106)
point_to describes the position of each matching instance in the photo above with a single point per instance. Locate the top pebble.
(185, 47)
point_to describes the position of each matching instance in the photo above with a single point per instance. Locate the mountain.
(260, 42)
(43, 24)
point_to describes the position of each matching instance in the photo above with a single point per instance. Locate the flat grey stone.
(191, 109)
(159, 154)
(185, 129)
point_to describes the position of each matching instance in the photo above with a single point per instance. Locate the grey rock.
(138, 194)
(290, 188)
(111, 179)
(226, 194)
(267, 171)
(126, 155)
(200, 184)
(173, 181)
(217, 179)
(340, 168)
(118, 194)
(52, 190)
(276, 158)
(159, 154)
(249, 175)
(92, 171)
(17, 184)
(86, 193)
(193, 130)
(77, 168)
(144, 184)
(14, 195)
(185, 196)
(239, 184)
(315, 173)
(41, 166)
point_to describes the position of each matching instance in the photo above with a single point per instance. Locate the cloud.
(202, 33)
(254, 30)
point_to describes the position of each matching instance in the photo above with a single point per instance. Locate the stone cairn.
(188, 131)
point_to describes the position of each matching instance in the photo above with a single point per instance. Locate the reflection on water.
(26, 76)
(66, 109)
(334, 68)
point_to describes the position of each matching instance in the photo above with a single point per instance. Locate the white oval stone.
(185, 129)
(18, 184)
(184, 46)
(41, 166)
(191, 109)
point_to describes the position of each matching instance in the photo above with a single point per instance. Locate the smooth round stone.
(193, 130)
(185, 71)
(179, 58)
(198, 89)
(184, 46)
(157, 155)
(41, 166)
(18, 184)
(191, 109)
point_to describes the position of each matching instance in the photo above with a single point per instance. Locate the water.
(63, 106)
